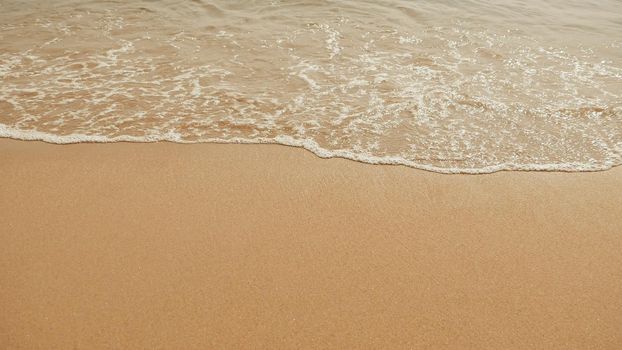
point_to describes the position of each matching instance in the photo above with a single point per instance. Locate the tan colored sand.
(145, 246)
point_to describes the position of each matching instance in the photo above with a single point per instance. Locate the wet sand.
(125, 246)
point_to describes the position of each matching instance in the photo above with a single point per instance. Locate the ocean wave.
(436, 85)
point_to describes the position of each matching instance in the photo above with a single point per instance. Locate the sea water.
(464, 86)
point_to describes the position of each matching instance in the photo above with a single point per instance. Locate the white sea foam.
(313, 147)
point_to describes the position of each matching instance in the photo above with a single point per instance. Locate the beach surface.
(212, 246)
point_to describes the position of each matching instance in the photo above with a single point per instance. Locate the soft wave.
(450, 87)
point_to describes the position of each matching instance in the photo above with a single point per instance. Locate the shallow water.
(448, 86)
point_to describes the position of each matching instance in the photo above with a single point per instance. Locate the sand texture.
(208, 246)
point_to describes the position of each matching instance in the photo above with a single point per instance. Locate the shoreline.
(128, 245)
(310, 146)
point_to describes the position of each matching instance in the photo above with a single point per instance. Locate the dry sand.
(168, 246)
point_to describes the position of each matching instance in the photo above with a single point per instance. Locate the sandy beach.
(210, 246)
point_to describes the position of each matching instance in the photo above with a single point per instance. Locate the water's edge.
(309, 145)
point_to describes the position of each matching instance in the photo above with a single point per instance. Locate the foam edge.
(310, 145)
